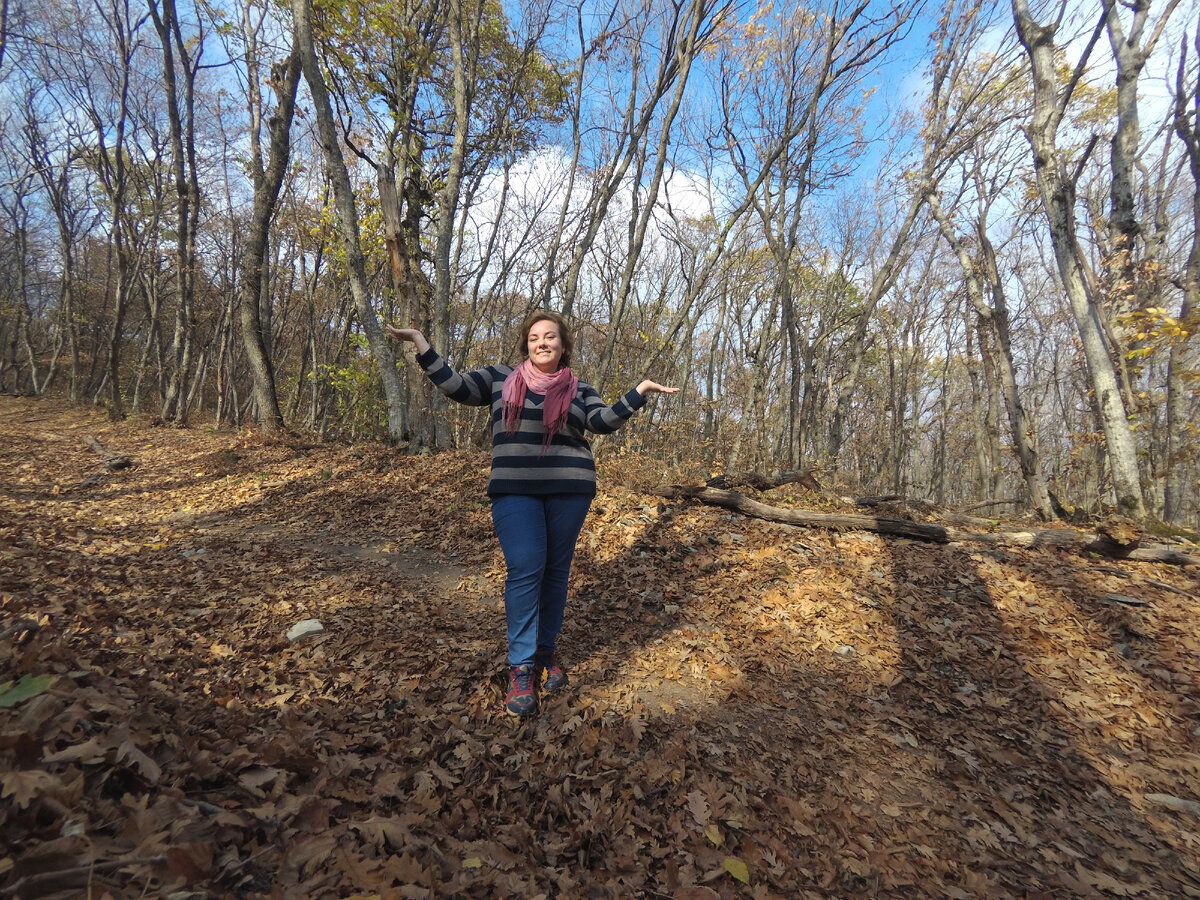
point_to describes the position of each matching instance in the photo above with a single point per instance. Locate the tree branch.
(1082, 64)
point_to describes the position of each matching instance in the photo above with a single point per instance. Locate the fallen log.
(739, 503)
(112, 461)
(895, 506)
(938, 534)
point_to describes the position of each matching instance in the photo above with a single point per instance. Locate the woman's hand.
(653, 387)
(409, 334)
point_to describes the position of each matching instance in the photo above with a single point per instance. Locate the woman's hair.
(564, 334)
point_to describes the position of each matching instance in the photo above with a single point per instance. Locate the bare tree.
(181, 105)
(57, 168)
(1180, 407)
(267, 178)
(789, 99)
(973, 107)
(983, 278)
(344, 201)
(687, 31)
(1057, 177)
(14, 203)
(1130, 53)
(110, 117)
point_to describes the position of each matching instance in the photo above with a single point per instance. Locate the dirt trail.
(45, 445)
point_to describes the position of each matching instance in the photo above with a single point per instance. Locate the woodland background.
(978, 284)
(946, 251)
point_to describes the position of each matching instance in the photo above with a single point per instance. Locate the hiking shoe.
(556, 678)
(521, 699)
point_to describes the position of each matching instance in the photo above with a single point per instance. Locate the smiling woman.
(542, 482)
(544, 346)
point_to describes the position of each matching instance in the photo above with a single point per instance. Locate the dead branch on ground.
(112, 461)
(1103, 544)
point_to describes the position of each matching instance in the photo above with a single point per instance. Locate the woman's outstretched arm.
(473, 388)
(411, 335)
(648, 387)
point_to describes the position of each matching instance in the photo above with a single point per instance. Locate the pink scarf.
(558, 388)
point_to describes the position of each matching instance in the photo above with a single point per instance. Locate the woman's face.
(544, 344)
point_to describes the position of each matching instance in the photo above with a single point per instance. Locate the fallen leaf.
(23, 787)
(737, 869)
(698, 805)
(93, 750)
(12, 693)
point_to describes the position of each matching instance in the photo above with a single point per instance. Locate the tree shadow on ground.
(985, 679)
(949, 754)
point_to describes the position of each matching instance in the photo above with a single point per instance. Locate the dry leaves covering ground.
(755, 711)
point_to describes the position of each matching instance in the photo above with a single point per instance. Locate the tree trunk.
(755, 403)
(116, 402)
(1000, 363)
(711, 382)
(981, 415)
(408, 281)
(443, 275)
(1130, 56)
(1056, 189)
(1180, 362)
(187, 190)
(393, 388)
(268, 183)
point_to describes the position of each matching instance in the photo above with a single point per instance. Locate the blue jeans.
(537, 535)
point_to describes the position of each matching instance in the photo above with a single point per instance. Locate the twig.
(1166, 587)
(203, 806)
(18, 888)
(1152, 582)
(986, 503)
(21, 626)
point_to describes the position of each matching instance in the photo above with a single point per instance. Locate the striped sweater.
(519, 465)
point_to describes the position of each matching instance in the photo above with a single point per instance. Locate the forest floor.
(755, 710)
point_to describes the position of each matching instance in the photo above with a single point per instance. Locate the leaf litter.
(754, 710)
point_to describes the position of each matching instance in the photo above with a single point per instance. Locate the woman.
(542, 482)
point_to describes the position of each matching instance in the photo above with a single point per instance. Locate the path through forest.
(755, 710)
